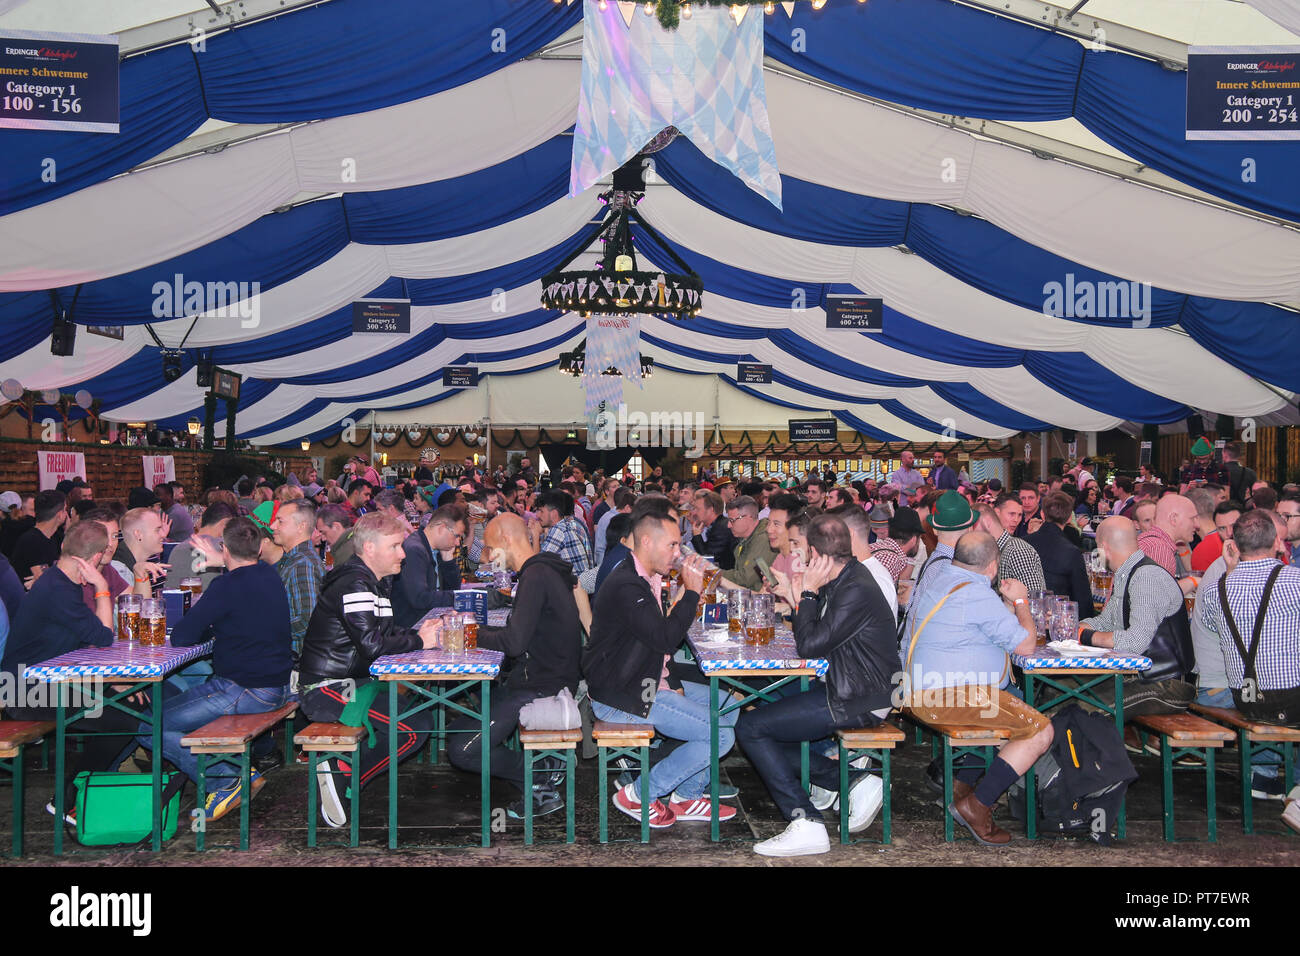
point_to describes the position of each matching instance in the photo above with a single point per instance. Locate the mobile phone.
(765, 572)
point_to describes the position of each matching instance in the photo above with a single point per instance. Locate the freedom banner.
(56, 466)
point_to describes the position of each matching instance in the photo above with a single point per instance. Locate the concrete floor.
(439, 808)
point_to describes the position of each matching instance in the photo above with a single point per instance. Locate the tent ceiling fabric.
(464, 222)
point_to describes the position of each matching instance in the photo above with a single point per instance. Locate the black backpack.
(1082, 779)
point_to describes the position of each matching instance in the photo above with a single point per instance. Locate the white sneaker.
(862, 763)
(1291, 814)
(331, 806)
(823, 799)
(803, 837)
(865, 800)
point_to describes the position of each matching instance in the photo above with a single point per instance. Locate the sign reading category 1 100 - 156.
(59, 81)
(1243, 92)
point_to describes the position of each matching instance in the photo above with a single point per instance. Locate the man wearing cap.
(1202, 470)
(902, 542)
(19, 515)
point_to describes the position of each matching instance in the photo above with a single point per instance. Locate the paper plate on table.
(1075, 649)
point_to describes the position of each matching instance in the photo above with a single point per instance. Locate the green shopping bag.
(118, 808)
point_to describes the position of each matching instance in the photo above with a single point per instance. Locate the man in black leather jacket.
(351, 626)
(841, 616)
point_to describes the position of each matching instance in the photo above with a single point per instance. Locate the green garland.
(670, 11)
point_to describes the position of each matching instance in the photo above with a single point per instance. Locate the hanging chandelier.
(573, 363)
(616, 286)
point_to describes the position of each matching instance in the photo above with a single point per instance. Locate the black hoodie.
(544, 634)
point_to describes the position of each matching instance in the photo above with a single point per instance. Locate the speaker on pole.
(64, 336)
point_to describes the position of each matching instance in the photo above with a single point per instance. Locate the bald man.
(543, 641)
(1146, 616)
(1168, 543)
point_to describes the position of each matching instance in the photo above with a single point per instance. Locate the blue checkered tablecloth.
(498, 617)
(118, 660)
(479, 661)
(714, 654)
(1107, 662)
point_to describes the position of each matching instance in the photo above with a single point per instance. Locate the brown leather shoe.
(978, 819)
(960, 790)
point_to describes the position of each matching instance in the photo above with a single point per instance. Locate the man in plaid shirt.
(564, 535)
(1266, 683)
(1018, 558)
(301, 569)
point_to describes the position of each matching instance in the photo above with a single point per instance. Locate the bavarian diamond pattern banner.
(705, 78)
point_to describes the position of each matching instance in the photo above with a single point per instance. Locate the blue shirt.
(247, 612)
(968, 639)
(52, 620)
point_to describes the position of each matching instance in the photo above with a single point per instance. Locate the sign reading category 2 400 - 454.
(1243, 92)
(59, 81)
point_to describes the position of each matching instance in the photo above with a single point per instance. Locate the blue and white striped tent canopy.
(1050, 250)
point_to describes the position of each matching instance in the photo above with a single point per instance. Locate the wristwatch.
(808, 594)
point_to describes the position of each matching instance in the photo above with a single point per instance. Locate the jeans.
(465, 749)
(772, 735)
(186, 713)
(1265, 763)
(190, 677)
(685, 718)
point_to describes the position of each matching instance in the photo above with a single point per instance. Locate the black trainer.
(272, 761)
(545, 800)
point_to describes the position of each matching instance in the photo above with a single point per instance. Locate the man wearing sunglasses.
(430, 574)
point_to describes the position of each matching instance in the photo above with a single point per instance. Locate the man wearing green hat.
(951, 519)
(1202, 469)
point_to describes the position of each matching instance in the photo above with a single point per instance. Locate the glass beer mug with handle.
(128, 617)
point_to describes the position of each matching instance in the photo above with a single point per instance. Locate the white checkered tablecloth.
(118, 660)
(1108, 662)
(479, 661)
(713, 654)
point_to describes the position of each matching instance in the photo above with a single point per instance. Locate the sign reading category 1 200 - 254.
(59, 81)
(1243, 92)
(460, 376)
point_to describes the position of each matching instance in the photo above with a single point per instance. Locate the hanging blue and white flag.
(705, 78)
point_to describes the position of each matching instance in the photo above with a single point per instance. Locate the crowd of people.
(924, 577)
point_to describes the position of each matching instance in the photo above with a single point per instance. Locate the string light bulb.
(649, 8)
(769, 8)
(818, 4)
(686, 11)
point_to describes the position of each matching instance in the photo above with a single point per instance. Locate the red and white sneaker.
(698, 809)
(625, 799)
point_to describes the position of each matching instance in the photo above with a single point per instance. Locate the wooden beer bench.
(623, 740)
(1183, 735)
(231, 736)
(562, 745)
(958, 741)
(875, 742)
(14, 736)
(319, 743)
(1254, 736)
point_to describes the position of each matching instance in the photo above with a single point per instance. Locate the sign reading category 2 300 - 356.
(64, 81)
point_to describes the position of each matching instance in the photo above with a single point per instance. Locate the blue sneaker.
(221, 802)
